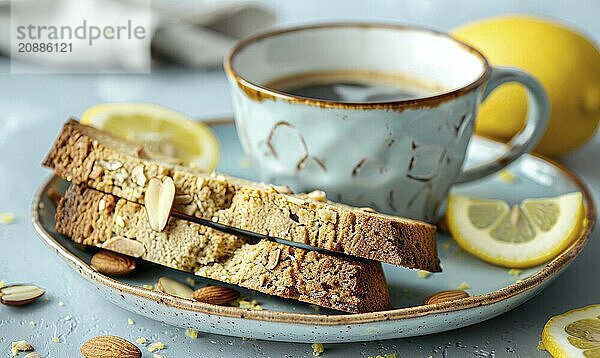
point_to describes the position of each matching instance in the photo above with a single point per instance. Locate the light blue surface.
(32, 109)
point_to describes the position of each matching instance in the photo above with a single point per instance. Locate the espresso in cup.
(355, 86)
(375, 115)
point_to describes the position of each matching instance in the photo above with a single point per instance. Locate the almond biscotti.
(85, 155)
(90, 217)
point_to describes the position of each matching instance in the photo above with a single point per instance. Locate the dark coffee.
(354, 86)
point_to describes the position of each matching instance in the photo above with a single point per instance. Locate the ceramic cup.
(398, 157)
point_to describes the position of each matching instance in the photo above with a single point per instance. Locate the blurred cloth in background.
(196, 34)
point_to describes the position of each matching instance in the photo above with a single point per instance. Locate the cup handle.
(528, 137)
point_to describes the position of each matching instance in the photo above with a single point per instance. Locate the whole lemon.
(564, 61)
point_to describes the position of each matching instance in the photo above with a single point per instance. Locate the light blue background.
(33, 107)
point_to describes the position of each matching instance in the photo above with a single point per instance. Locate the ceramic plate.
(493, 290)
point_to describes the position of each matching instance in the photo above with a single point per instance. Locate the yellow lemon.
(565, 62)
(574, 334)
(160, 129)
(522, 236)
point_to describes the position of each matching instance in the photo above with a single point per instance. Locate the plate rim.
(550, 269)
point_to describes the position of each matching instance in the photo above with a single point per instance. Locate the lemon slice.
(522, 236)
(574, 334)
(160, 130)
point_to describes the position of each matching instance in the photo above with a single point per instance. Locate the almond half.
(158, 201)
(109, 346)
(18, 295)
(445, 296)
(125, 246)
(174, 287)
(113, 264)
(216, 295)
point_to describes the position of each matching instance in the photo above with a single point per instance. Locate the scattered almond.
(20, 346)
(54, 196)
(445, 296)
(174, 287)
(216, 295)
(273, 259)
(18, 295)
(33, 355)
(158, 201)
(113, 264)
(109, 346)
(125, 246)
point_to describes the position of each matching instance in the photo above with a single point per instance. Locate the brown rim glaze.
(551, 268)
(260, 93)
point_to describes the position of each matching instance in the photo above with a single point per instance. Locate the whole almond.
(125, 246)
(19, 295)
(109, 346)
(113, 264)
(445, 296)
(216, 295)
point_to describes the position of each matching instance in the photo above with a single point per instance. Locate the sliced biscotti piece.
(93, 218)
(89, 156)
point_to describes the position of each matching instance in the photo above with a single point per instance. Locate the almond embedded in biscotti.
(109, 346)
(273, 259)
(110, 165)
(216, 295)
(183, 199)
(19, 295)
(445, 296)
(138, 176)
(125, 246)
(158, 201)
(174, 287)
(113, 264)
(318, 195)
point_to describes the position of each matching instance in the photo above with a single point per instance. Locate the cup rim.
(260, 92)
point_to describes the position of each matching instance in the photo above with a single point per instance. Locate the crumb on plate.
(192, 333)
(318, 348)
(156, 346)
(423, 274)
(463, 286)
(7, 218)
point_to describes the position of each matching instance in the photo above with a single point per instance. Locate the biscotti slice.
(90, 217)
(86, 155)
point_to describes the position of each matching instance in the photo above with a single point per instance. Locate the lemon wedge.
(525, 235)
(159, 129)
(574, 334)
